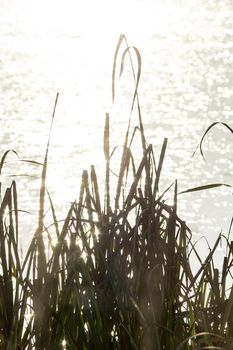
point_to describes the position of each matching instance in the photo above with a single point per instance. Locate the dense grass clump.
(119, 276)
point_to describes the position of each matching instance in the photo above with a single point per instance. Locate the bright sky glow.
(95, 17)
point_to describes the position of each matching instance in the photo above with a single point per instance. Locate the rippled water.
(186, 84)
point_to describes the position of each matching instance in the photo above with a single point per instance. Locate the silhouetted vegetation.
(119, 275)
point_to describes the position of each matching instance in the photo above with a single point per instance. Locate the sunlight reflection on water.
(186, 85)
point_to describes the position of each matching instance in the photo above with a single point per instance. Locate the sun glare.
(95, 17)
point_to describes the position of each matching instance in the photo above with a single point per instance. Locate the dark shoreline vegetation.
(120, 275)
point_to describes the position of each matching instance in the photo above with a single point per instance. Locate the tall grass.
(119, 276)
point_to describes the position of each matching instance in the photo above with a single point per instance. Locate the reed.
(119, 276)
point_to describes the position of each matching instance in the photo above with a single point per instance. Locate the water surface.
(186, 84)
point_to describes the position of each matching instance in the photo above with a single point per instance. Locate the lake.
(186, 84)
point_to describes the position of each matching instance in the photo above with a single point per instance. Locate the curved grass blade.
(205, 187)
(139, 61)
(34, 162)
(4, 158)
(205, 133)
(120, 40)
(23, 175)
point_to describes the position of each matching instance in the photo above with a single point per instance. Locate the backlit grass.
(119, 276)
